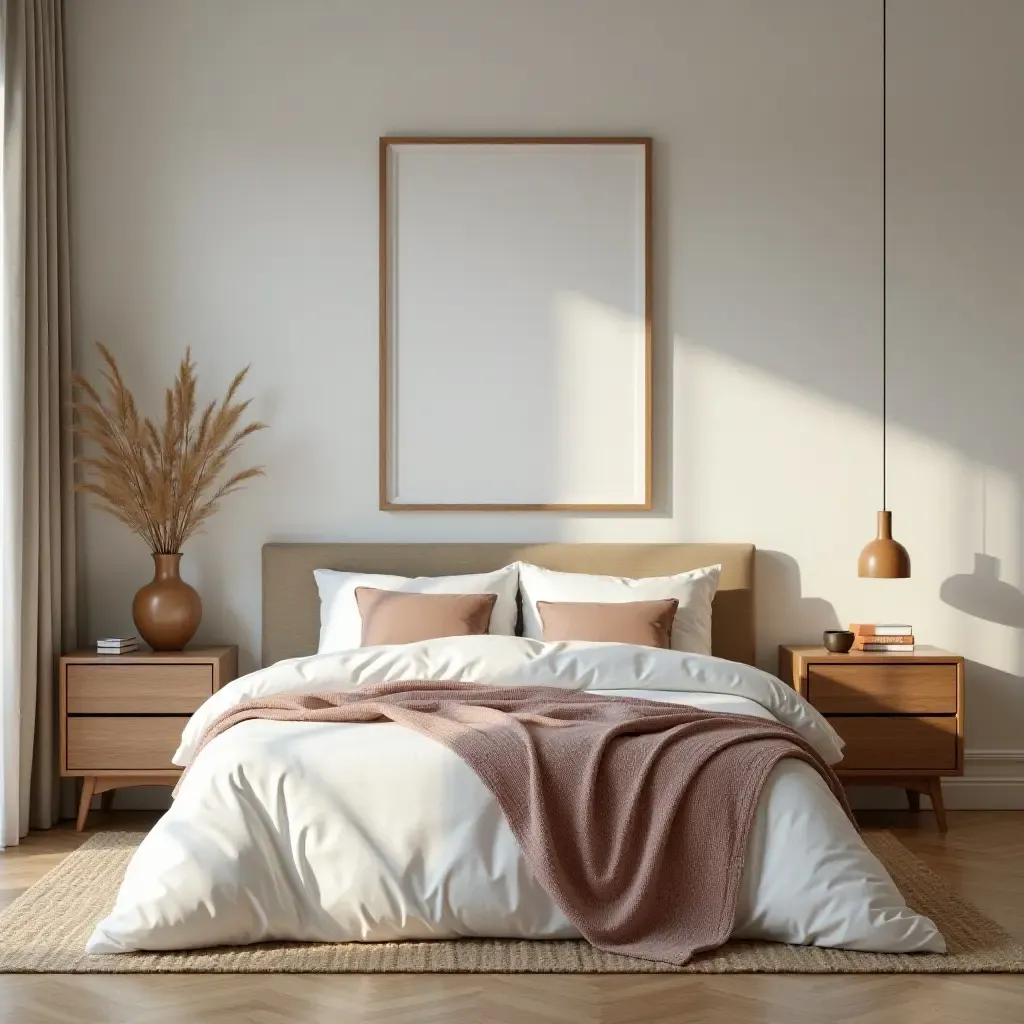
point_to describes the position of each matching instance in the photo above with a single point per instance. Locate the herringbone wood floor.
(981, 855)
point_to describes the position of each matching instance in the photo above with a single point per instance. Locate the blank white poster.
(516, 333)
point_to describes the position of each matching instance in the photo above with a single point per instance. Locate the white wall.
(224, 169)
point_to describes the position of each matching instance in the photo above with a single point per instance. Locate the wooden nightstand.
(121, 716)
(901, 715)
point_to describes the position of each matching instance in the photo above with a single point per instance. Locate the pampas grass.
(160, 481)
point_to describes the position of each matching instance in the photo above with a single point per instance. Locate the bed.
(372, 832)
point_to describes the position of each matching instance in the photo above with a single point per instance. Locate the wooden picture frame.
(591, 233)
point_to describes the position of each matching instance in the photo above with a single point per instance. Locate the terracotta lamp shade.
(167, 610)
(884, 558)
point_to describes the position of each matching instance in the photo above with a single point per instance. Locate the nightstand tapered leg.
(88, 788)
(107, 800)
(935, 792)
(914, 799)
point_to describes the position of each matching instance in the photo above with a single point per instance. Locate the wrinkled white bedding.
(341, 832)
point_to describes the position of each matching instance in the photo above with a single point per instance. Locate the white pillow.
(691, 629)
(341, 625)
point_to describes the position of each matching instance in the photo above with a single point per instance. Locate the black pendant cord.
(885, 248)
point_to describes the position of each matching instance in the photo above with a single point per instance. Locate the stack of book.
(117, 645)
(883, 637)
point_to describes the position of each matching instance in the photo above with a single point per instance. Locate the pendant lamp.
(884, 558)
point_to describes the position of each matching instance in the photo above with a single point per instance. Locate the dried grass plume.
(160, 481)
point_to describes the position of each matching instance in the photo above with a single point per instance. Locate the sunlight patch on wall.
(756, 452)
(598, 395)
(760, 458)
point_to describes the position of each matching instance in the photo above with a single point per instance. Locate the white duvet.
(371, 832)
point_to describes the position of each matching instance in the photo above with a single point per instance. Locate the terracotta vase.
(167, 610)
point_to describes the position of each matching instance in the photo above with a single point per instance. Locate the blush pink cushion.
(396, 617)
(648, 623)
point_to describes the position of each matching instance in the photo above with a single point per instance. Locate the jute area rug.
(45, 929)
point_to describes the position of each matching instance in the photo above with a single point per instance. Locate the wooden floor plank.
(980, 855)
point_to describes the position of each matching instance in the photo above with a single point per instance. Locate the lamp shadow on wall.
(982, 592)
(984, 595)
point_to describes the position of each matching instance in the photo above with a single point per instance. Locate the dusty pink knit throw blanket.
(632, 814)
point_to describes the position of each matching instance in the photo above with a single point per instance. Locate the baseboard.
(993, 780)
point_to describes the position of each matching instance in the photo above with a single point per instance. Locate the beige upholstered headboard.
(291, 607)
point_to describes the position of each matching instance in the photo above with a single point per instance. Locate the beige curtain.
(37, 527)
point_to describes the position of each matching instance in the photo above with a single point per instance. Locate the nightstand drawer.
(123, 743)
(883, 689)
(101, 688)
(898, 744)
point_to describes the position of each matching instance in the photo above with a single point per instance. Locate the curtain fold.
(37, 520)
